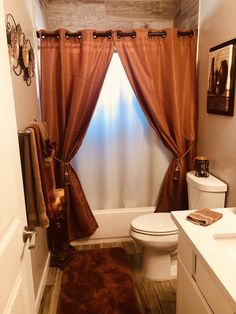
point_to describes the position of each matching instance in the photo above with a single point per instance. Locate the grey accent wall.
(186, 14)
(103, 15)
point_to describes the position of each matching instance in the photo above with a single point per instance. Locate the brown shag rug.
(98, 281)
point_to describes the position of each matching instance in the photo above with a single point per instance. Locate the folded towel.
(204, 216)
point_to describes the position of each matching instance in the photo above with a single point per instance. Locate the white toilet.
(158, 234)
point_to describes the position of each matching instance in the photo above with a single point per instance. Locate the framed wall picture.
(221, 78)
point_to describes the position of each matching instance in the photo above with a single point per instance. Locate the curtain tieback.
(66, 168)
(178, 160)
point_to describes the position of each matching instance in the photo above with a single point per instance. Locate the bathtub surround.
(114, 224)
(69, 110)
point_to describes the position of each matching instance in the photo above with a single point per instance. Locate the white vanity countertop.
(221, 264)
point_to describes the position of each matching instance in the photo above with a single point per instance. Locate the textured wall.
(186, 14)
(98, 14)
(217, 136)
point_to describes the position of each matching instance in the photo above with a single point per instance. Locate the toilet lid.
(159, 223)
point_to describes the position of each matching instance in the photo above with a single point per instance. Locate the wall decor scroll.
(21, 53)
(221, 78)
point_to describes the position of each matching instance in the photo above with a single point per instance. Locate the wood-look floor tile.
(45, 302)
(51, 277)
(166, 290)
(148, 296)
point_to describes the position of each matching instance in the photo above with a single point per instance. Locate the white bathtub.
(113, 224)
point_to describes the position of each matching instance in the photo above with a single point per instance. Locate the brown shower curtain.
(72, 74)
(162, 72)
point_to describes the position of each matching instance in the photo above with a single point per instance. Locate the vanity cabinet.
(198, 291)
(189, 297)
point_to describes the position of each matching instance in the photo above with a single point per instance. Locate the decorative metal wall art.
(21, 53)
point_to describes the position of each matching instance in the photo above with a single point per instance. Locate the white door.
(16, 289)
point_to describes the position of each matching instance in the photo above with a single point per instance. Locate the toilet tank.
(205, 191)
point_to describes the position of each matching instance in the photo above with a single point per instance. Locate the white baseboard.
(42, 283)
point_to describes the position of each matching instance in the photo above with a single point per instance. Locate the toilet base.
(159, 266)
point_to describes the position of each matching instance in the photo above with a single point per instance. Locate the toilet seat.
(156, 224)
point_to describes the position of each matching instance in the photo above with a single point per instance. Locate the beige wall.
(26, 103)
(217, 134)
(27, 109)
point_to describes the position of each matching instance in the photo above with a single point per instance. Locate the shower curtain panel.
(72, 74)
(162, 72)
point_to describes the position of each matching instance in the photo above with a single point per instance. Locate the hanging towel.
(204, 216)
(29, 186)
(35, 203)
(45, 167)
(43, 200)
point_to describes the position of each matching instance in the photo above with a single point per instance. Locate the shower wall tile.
(186, 14)
(109, 14)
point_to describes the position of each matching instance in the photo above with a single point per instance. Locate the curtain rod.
(190, 33)
(124, 34)
(161, 34)
(56, 34)
(108, 34)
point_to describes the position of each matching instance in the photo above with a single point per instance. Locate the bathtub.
(113, 224)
